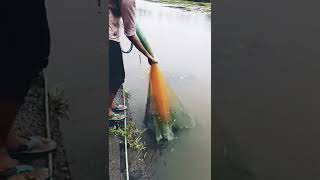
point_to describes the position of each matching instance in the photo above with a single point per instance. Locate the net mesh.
(164, 112)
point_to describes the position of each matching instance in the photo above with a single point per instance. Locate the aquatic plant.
(134, 135)
(127, 94)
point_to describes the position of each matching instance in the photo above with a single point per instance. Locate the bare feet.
(113, 105)
(6, 161)
(14, 170)
(36, 174)
(15, 143)
(110, 113)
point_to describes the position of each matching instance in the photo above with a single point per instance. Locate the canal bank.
(137, 160)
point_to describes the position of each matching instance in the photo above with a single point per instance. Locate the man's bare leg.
(111, 103)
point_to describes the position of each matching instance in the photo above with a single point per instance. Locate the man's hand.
(137, 43)
(151, 60)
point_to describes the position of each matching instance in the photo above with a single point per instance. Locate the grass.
(132, 132)
(134, 135)
(127, 94)
(58, 103)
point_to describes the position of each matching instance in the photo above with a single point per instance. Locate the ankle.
(110, 112)
(13, 141)
(113, 105)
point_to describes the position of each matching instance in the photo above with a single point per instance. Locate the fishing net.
(165, 114)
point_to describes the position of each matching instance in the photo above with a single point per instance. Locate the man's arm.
(128, 12)
(137, 43)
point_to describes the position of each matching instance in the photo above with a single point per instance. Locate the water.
(181, 42)
(266, 90)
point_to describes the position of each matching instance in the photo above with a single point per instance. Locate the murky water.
(181, 42)
(78, 64)
(266, 90)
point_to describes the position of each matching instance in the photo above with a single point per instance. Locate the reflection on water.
(181, 42)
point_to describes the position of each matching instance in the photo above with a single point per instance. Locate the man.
(25, 45)
(125, 10)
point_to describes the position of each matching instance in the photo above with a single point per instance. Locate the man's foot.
(30, 145)
(10, 169)
(116, 117)
(119, 107)
(6, 161)
(24, 172)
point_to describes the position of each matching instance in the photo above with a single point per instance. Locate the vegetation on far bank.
(191, 5)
